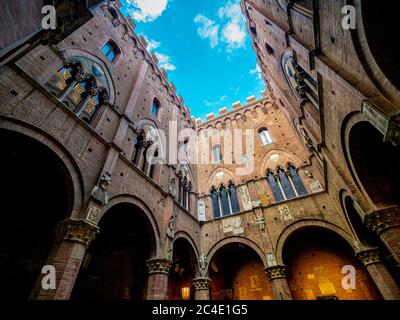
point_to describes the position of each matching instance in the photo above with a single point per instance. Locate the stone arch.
(240, 240)
(60, 151)
(71, 53)
(267, 163)
(185, 235)
(130, 199)
(372, 40)
(231, 175)
(311, 223)
(378, 187)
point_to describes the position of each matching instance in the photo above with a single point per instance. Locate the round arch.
(239, 240)
(129, 199)
(73, 53)
(184, 235)
(67, 159)
(311, 223)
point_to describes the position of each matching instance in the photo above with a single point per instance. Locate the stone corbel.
(100, 192)
(276, 272)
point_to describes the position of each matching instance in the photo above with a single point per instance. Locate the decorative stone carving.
(245, 195)
(77, 231)
(316, 186)
(172, 187)
(368, 256)
(201, 284)
(155, 266)
(382, 220)
(308, 174)
(203, 263)
(201, 210)
(233, 224)
(93, 215)
(171, 227)
(261, 222)
(271, 260)
(286, 215)
(100, 192)
(276, 272)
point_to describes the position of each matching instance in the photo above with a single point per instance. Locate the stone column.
(201, 288)
(379, 274)
(280, 287)
(72, 239)
(157, 286)
(386, 224)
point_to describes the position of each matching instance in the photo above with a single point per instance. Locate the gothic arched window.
(297, 182)
(233, 198)
(275, 187)
(215, 202)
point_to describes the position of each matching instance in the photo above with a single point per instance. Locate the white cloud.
(207, 29)
(164, 61)
(233, 33)
(146, 10)
(231, 29)
(256, 70)
(152, 44)
(215, 103)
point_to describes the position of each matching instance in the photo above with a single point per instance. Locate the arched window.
(275, 187)
(60, 81)
(286, 185)
(155, 108)
(138, 149)
(225, 205)
(265, 136)
(225, 201)
(217, 154)
(110, 50)
(233, 198)
(153, 165)
(215, 202)
(296, 181)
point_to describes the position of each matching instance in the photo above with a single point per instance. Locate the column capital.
(80, 231)
(155, 266)
(276, 272)
(382, 220)
(368, 256)
(201, 284)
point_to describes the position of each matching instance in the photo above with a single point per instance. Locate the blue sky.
(205, 47)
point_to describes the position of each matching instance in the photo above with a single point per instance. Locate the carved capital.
(382, 220)
(77, 231)
(155, 266)
(368, 257)
(276, 272)
(201, 284)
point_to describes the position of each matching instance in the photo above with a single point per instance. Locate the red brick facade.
(111, 207)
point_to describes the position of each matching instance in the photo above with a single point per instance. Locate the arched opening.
(182, 272)
(380, 25)
(314, 258)
(36, 192)
(376, 163)
(368, 238)
(114, 266)
(237, 273)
